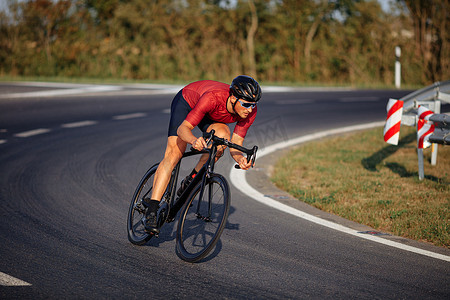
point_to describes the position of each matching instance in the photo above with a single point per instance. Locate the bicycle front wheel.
(202, 220)
(136, 212)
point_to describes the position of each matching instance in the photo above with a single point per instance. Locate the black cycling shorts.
(178, 113)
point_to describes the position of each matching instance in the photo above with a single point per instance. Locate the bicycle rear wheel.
(202, 220)
(136, 212)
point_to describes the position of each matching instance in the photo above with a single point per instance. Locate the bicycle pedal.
(152, 234)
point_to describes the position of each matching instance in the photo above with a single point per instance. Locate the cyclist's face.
(244, 108)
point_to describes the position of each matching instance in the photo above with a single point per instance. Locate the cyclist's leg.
(221, 130)
(174, 151)
(175, 146)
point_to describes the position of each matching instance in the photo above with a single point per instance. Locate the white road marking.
(166, 111)
(2, 141)
(239, 181)
(7, 280)
(79, 124)
(33, 132)
(129, 116)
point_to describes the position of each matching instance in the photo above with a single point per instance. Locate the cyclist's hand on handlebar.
(244, 164)
(199, 144)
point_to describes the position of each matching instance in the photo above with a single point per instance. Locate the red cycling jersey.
(209, 98)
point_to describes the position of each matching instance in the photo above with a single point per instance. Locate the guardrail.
(429, 97)
(441, 134)
(435, 129)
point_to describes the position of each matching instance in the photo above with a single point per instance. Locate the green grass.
(361, 178)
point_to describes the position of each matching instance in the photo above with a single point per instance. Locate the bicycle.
(202, 220)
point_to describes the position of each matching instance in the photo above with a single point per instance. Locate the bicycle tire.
(136, 211)
(197, 236)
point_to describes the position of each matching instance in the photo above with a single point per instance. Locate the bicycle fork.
(206, 218)
(210, 164)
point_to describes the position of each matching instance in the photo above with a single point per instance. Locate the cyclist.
(208, 105)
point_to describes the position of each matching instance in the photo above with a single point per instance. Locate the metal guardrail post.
(420, 153)
(434, 146)
(420, 161)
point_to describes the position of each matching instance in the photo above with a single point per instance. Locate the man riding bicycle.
(208, 105)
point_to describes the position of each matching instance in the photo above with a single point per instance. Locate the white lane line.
(7, 280)
(33, 132)
(238, 179)
(166, 111)
(129, 116)
(79, 124)
(2, 141)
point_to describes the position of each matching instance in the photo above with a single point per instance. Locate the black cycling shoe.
(184, 184)
(151, 216)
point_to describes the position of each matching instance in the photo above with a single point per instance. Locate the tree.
(251, 38)
(431, 32)
(339, 41)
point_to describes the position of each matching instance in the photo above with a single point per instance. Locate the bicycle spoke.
(202, 221)
(148, 193)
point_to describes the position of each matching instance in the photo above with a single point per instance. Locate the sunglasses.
(247, 104)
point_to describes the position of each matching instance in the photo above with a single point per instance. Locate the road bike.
(204, 204)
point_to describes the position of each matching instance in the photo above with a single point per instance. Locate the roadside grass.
(360, 177)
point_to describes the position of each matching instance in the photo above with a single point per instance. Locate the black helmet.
(246, 88)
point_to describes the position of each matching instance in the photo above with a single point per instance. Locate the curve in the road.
(238, 179)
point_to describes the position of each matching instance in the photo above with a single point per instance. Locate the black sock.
(152, 205)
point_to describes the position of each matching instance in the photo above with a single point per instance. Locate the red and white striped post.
(391, 131)
(425, 128)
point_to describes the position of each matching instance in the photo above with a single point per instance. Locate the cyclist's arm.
(185, 133)
(237, 155)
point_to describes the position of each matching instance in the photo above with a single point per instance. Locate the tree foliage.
(337, 42)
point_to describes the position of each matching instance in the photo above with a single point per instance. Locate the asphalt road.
(69, 165)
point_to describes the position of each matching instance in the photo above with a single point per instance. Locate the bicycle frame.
(174, 207)
(203, 174)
